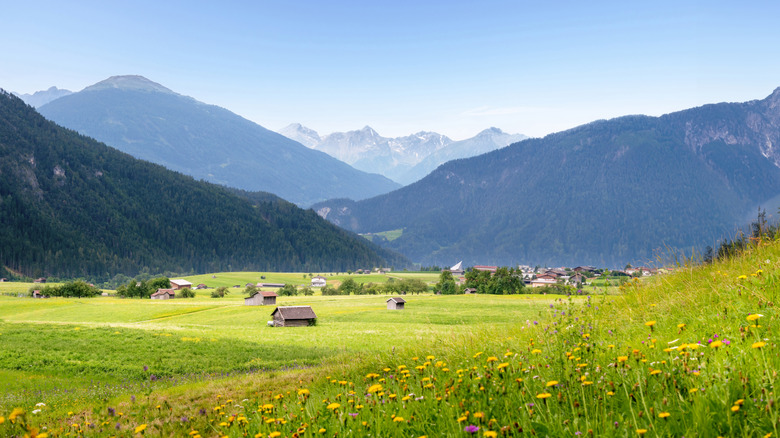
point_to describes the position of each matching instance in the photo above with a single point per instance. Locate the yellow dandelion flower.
(650, 323)
(654, 372)
(502, 365)
(334, 406)
(552, 383)
(753, 317)
(716, 344)
(398, 419)
(735, 408)
(374, 388)
(140, 428)
(740, 401)
(462, 419)
(622, 358)
(544, 395)
(536, 351)
(490, 434)
(322, 430)
(275, 434)
(758, 344)
(610, 393)
(641, 431)
(692, 390)
(664, 415)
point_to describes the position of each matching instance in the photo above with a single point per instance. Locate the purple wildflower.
(471, 428)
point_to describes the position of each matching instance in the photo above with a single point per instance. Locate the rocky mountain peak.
(129, 82)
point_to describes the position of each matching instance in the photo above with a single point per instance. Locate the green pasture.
(231, 279)
(56, 343)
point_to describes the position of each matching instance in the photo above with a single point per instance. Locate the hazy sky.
(454, 67)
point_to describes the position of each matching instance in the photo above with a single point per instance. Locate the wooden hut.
(469, 290)
(395, 303)
(178, 283)
(163, 294)
(294, 316)
(261, 298)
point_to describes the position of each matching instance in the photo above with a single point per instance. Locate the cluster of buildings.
(540, 277)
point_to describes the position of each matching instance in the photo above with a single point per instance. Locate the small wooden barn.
(261, 298)
(179, 283)
(294, 316)
(469, 290)
(395, 303)
(163, 294)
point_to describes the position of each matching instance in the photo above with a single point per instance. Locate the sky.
(452, 67)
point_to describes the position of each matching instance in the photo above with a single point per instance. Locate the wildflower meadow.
(692, 353)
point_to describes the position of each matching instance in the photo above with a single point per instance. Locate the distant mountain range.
(151, 122)
(40, 98)
(602, 194)
(73, 207)
(402, 159)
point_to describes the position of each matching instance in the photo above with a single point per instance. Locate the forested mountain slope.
(605, 193)
(70, 207)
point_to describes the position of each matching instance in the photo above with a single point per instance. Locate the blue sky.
(453, 67)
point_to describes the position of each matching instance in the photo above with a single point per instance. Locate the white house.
(318, 281)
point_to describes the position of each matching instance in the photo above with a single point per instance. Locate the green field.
(693, 353)
(230, 279)
(56, 343)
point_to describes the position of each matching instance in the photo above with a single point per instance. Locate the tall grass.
(693, 353)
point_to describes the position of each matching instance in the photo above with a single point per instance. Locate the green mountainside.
(603, 194)
(151, 122)
(73, 207)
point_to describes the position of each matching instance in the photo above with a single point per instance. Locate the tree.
(186, 293)
(159, 283)
(288, 290)
(446, 284)
(350, 286)
(220, 292)
(250, 290)
(307, 291)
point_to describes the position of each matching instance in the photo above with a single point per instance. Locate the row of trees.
(391, 287)
(73, 289)
(504, 281)
(143, 289)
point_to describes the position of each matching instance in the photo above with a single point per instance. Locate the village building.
(40, 280)
(395, 303)
(164, 294)
(470, 290)
(201, 286)
(544, 280)
(319, 281)
(3, 280)
(293, 316)
(577, 279)
(457, 269)
(261, 298)
(180, 284)
(491, 269)
(37, 294)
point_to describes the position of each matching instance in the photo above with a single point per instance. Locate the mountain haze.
(40, 98)
(73, 207)
(402, 159)
(604, 194)
(151, 122)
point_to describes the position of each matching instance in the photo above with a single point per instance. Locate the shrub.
(186, 293)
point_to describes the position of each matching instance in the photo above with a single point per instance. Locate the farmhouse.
(491, 269)
(543, 280)
(163, 294)
(261, 298)
(37, 294)
(294, 316)
(470, 290)
(180, 284)
(395, 303)
(318, 281)
(201, 286)
(40, 280)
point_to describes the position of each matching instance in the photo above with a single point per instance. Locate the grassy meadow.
(693, 353)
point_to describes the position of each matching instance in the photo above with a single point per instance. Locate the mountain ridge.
(151, 122)
(604, 193)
